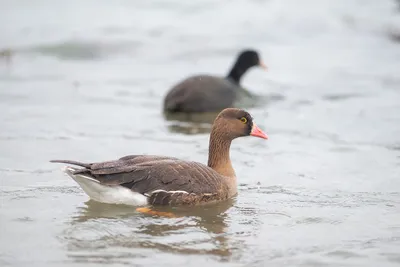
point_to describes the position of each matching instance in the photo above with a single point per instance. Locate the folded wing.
(147, 173)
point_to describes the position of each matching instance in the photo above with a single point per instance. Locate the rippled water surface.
(85, 80)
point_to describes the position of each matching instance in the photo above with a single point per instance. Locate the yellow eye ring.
(243, 119)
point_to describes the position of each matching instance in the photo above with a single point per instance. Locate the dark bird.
(207, 93)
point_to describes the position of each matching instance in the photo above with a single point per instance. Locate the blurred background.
(85, 80)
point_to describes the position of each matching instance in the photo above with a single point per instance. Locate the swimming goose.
(141, 180)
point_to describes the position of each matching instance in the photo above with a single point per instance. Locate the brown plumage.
(171, 181)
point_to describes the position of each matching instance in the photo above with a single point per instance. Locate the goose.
(143, 180)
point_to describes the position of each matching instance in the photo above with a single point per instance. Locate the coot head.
(248, 59)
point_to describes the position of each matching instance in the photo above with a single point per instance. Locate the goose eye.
(243, 119)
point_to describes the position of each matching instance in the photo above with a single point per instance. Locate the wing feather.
(147, 173)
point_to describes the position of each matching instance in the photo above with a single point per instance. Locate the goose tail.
(103, 193)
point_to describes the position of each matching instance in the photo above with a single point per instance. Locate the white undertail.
(111, 194)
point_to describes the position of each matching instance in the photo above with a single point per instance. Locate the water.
(84, 80)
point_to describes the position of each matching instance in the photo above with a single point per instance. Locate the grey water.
(85, 80)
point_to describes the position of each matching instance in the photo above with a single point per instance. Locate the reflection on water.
(190, 123)
(199, 123)
(94, 210)
(97, 226)
(206, 117)
(189, 128)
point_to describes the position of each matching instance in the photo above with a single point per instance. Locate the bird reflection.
(199, 123)
(189, 128)
(101, 227)
(209, 217)
(205, 117)
(190, 123)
